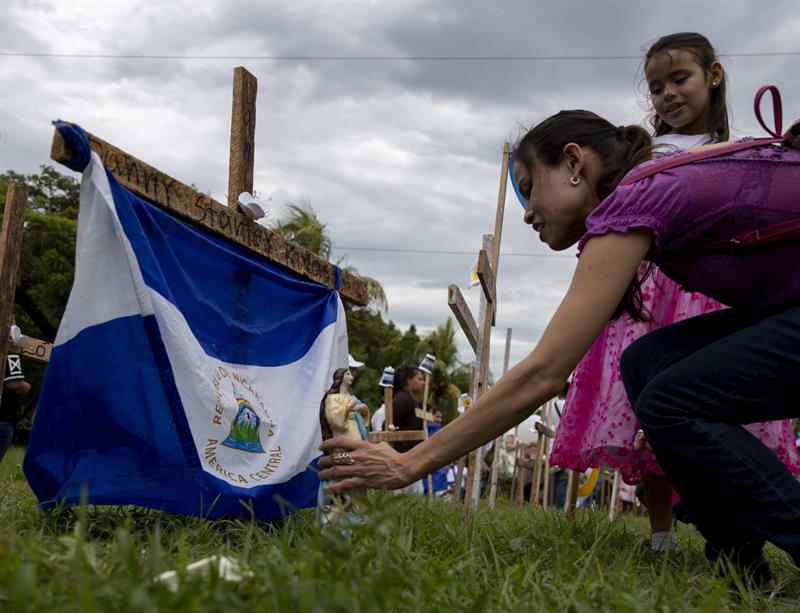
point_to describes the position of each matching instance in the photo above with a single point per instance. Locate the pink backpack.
(764, 236)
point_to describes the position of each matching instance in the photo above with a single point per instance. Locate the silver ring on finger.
(343, 459)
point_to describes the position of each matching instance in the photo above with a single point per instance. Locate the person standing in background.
(15, 387)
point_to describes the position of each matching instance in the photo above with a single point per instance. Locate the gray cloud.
(391, 154)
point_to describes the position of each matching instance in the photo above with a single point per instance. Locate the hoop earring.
(573, 181)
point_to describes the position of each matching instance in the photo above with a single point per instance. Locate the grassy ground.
(414, 554)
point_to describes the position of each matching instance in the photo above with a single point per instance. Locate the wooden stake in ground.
(387, 383)
(548, 422)
(517, 457)
(612, 505)
(488, 262)
(480, 374)
(10, 249)
(571, 501)
(465, 403)
(499, 440)
(426, 366)
(541, 461)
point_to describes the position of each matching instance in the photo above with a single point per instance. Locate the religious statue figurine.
(340, 414)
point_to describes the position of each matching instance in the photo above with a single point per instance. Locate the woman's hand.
(370, 465)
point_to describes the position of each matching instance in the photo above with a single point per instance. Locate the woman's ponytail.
(636, 147)
(793, 136)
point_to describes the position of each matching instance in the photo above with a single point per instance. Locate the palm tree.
(376, 297)
(442, 343)
(303, 227)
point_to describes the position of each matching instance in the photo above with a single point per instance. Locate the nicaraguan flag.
(187, 373)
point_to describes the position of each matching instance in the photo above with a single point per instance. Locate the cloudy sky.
(389, 117)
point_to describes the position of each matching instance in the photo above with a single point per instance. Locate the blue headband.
(514, 183)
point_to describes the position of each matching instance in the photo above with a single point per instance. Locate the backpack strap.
(776, 233)
(688, 158)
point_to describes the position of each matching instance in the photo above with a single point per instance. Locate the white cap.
(353, 363)
(253, 207)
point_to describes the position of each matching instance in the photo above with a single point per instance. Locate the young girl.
(691, 383)
(687, 93)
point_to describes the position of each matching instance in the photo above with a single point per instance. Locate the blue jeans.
(6, 434)
(691, 384)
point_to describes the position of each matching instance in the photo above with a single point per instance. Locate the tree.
(449, 375)
(47, 260)
(303, 227)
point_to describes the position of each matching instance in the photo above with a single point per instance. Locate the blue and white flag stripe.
(187, 373)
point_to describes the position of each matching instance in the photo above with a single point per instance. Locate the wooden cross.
(541, 465)
(612, 504)
(10, 249)
(11, 237)
(199, 209)
(390, 435)
(499, 440)
(426, 418)
(479, 335)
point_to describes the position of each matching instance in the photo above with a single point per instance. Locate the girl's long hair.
(338, 377)
(699, 46)
(620, 148)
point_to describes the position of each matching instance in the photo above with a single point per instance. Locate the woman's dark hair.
(402, 377)
(793, 136)
(620, 149)
(699, 46)
(338, 377)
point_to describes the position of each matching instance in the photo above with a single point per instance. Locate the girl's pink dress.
(598, 426)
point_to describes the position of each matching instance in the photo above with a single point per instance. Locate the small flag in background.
(187, 372)
(473, 275)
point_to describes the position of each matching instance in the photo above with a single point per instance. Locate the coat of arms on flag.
(186, 374)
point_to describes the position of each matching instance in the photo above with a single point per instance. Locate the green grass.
(414, 554)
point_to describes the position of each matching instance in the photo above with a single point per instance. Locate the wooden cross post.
(10, 249)
(499, 440)
(388, 420)
(459, 475)
(542, 460)
(426, 366)
(11, 237)
(188, 204)
(241, 164)
(517, 458)
(480, 335)
(548, 436)
(571, 501)
(612, 505)
(390, 435)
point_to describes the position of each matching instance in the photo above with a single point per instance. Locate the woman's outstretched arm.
(604, 272)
